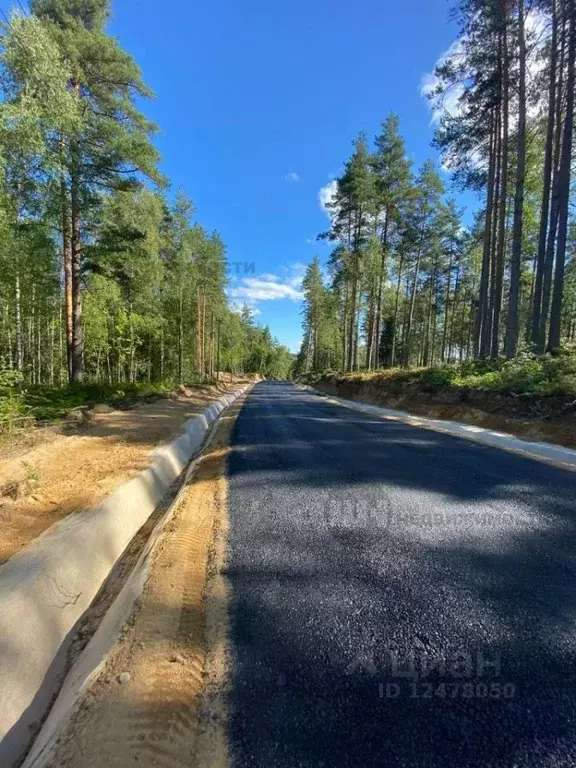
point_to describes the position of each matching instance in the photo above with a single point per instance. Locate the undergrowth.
(47, 403)
(19, 404)
(545, 375)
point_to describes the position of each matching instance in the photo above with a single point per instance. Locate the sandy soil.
(160, 701)
(67, 473)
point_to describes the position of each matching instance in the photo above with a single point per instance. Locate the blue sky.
(258, 103)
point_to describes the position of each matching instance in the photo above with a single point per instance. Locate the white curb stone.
(46, 588)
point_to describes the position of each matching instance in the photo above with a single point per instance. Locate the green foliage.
(436, 379)
(320, 345)
(80, 187)
(12, 399)
(404, 272)
(36, 98)
(10, 381)
(552, 374)
(545, 375)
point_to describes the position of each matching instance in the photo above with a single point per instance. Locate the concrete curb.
(548, 453)
(46, 588)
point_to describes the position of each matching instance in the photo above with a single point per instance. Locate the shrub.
(436, 379)
(12, 403)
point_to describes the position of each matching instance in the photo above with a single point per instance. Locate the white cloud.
(238, 306)
(256, 289)
(448, 102)
(327, 195)
(310, 240)
(269, 287)
(537, 36)
(293, 177)
(296, 275)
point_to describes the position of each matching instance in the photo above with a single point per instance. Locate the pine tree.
(393, 180)
(112, 143)
(353, 209)
(425, 235)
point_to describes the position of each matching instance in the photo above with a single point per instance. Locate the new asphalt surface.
(399, 597)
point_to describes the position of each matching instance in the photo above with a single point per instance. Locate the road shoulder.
(148, 703)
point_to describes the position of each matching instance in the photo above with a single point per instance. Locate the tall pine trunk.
(512, 329)
(446, 308)
(32, 359)
(410, 320)
(381, 277)
(344, 327)
(564, 184)
(396, 305)
(488, 313)
(76, 258)
(180, 338)
(501, 245)
(481, 330)
(455, 302)
(555, 202)
(77, 361)
(370, 326)
(426, 355)
(546, 185)
(67, 265)
(18, 312)
(353, 317)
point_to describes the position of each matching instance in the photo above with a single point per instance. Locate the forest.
(106, 276)
(410, 281)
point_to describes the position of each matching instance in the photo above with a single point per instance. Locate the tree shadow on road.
(399, 597)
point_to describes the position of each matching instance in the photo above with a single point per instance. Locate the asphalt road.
(399, 597)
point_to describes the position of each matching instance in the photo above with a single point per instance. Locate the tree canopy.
(106, 275)
(408, 283)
